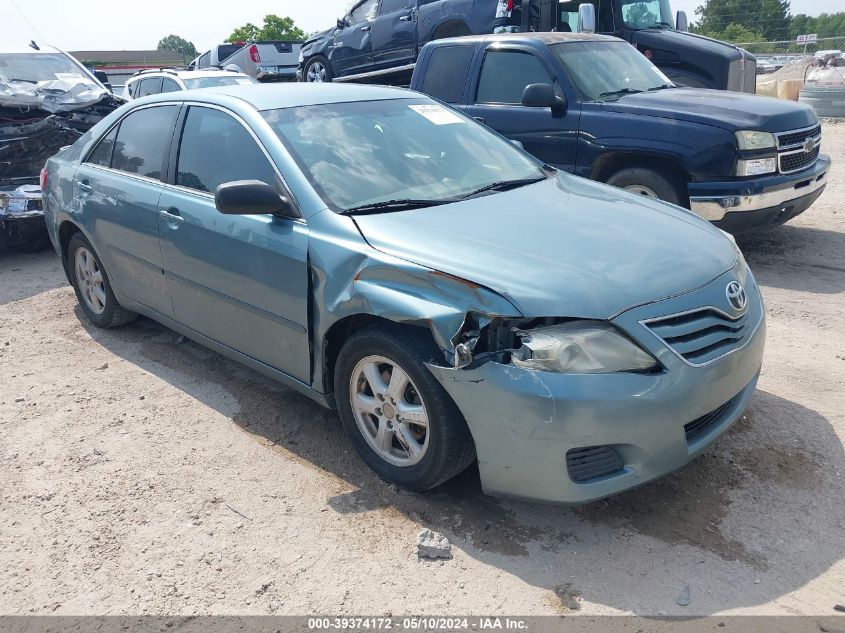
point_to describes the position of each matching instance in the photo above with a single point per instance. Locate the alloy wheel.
(89, 278)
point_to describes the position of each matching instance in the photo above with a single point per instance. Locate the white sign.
(437, 114)
(807, 39)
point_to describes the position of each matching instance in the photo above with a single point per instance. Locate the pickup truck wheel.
(92, 286)
(399, 418)
(650, 183)
(317, 70)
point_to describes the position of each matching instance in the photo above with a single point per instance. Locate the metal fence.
(792, 47)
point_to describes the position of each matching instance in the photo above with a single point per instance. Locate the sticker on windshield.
(437, 114)
(68, 76)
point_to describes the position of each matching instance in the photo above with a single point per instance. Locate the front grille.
(702, 336)
(793, 154)
(742, 74)
(797, 161)
(593, 462)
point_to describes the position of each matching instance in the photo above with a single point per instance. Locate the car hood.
(732, 111)
(562, 247)
(316, 37)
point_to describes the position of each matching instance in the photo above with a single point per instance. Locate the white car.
(154, 81)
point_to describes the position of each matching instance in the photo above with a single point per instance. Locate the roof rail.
(169, 70)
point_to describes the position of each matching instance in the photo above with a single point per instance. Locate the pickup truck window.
(505, 74)
(609, 70)
(208, 139)
(372, 152)
(447, 72)
(363, 12)
(389, 6)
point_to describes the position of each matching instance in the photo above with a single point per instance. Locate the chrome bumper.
(715, 207)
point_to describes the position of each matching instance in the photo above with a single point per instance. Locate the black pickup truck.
(591, 105)
(378, 40)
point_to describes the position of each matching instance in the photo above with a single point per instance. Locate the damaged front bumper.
(575, 438)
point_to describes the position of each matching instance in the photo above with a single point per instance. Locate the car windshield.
(647, 14)
(212, 82)
(378, 153)
(609, 70)
(40, 67)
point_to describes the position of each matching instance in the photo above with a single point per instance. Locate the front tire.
(317, 70)
(399, 418)
(651, 184)
(91, 284)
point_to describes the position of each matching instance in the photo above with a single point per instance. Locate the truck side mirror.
(587, 18)
(681, 22)
(542, 96)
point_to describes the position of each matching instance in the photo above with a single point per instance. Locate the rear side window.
(143, 140)
(168, 85)
(447, 72)
(151, 86)
(505, 74)
(102, 153)
(216, 148)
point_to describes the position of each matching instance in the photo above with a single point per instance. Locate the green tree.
(274, 28)
(179, 45)
(768, 18)
(736, 33)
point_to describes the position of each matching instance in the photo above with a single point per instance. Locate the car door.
(117, 190)
(239, 280)
(551, 136)
(352, 51)
(394, 34)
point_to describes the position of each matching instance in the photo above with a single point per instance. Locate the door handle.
(171, 216)
(366, 29)
(84, 187)
(480, 119)
(406, 18)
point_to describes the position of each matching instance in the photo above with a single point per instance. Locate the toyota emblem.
(736, 296)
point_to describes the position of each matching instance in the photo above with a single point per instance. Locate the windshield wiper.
(29, 81)
(502, 185)
(620, 92)
(394, 205)
(663, 87)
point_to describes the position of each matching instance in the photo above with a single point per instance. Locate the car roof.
(7, 47)
(529, 38)
(274, 96)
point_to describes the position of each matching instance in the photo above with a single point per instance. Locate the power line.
(26, 19)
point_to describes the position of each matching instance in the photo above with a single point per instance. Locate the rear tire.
(383, 428)
(317, 70)
(651, 184)
(91, 284)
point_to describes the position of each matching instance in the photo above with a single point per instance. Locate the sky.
(140, 24)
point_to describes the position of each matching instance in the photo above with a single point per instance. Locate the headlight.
(580, 347)
(755, 140)
(756, 167)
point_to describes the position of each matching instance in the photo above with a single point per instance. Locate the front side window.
(213, 82)
(204, 60)
(149, 86)
(609, 70)
(363, 12)
(447, 72)
(364, 153)
(505, 74)
(143, 140)
(389, 6)
(216, 148)
(646, 14)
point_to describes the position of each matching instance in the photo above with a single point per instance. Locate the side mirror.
(248, 197)
(102, 77)
(587, 18)
(542, 96)
(342, 23)
(681, 22)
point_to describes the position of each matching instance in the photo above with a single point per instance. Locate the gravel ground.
(140, 473)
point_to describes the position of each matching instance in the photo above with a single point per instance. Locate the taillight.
(253, 54)
(510, 5)
(44, 178)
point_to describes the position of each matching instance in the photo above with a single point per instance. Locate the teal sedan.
(452, 297)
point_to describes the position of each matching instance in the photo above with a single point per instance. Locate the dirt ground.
(141, 473)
